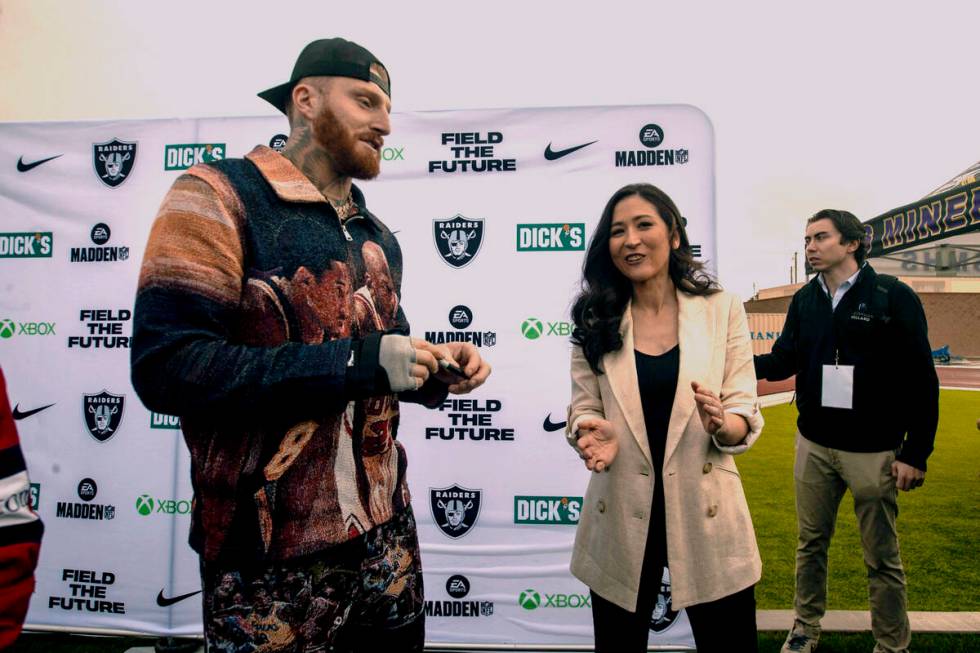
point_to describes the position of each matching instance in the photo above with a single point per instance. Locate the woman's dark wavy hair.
(598, 309)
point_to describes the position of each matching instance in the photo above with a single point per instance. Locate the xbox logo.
(532, 328)
(529, 599)
(7, 328)
(144, 504)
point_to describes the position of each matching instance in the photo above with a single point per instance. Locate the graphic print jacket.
(258, 321)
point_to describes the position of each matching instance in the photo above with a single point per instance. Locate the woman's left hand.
(727, 428)
(710, 410)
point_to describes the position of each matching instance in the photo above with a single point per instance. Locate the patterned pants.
(363, 595)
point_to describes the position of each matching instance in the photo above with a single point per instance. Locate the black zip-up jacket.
(896, 390)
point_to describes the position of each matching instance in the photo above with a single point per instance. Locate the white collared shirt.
(841, 289)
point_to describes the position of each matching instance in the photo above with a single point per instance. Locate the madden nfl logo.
(113, 161)
(103, 413)
(455, 509)
(458, 239)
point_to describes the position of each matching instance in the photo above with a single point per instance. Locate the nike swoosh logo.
(28, 413)
(165, 602)
(552, 155)
(550, 426)
(24, 167)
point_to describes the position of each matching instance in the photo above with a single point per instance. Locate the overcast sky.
(857, 105)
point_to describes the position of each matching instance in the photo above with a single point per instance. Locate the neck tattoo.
(345, 208)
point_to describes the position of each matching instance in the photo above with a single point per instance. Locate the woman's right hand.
(597, 443)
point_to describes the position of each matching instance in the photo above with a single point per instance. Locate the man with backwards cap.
(268, 318)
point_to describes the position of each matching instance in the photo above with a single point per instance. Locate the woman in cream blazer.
(666, 493)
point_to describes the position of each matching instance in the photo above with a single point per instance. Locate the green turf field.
(938, 524)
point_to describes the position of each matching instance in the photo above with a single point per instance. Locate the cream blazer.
(711, 548)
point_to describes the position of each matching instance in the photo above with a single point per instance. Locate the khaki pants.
(822, 476)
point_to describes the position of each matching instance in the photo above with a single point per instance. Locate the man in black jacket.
(868, 400)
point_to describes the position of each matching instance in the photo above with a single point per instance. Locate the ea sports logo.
(87, 489)
(7, 328)
(460, 317)
(651, 135)
(278, 142)
(100, 233)
(457, 586)
(529, 600)
(144, 504)
(532, 328)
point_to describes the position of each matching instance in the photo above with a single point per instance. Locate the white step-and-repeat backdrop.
(111, 479)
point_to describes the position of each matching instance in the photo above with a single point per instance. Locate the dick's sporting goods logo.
(21, 498)
(34, 244)
(531, 599)
(183, 156)
(547, 510)
(532, 328)
(147, 505)
(552, 237)
(161, 421)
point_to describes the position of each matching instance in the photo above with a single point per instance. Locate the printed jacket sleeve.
(185, 360)
(923, 416)
(738, 386)
(20, 529)
(434, 391)
(782, 363)
(586, 400)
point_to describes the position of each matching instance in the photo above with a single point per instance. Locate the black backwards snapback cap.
(330, 57)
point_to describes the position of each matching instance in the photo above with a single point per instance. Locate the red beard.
(341, 146)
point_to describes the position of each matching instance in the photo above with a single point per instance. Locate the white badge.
(838, 386)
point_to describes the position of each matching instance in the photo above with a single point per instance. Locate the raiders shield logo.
(455, 509)
(103, 413)
(113, 161)
(458, 239)
(664, 615)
